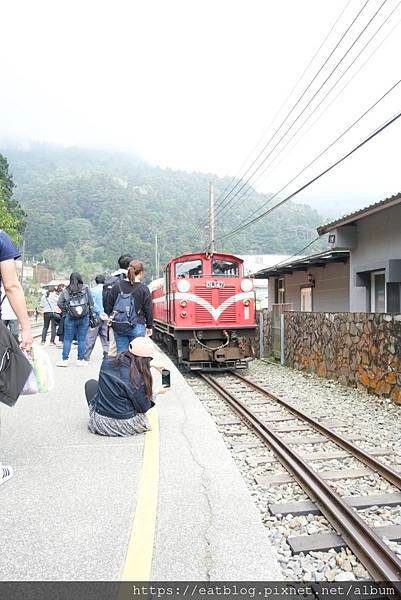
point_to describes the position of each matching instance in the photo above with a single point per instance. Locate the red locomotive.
(204, 308)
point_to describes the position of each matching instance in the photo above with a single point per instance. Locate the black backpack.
(15, 368)
(77, 303)
(108, 285)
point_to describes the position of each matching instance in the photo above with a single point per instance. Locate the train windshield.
(189, 268)
(225, 267)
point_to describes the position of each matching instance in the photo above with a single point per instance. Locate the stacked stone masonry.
(263, 320)
(357, 349)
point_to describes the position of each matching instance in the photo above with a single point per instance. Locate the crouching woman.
(118, 402)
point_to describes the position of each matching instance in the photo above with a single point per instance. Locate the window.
(306, 299)
(189, 268)
(225, 267)
(378, 291)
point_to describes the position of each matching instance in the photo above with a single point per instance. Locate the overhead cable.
(321, 174)
(250, 189)
(260, 154)
(307, 105)
(235, 177)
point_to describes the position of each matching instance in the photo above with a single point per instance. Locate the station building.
(360, 272)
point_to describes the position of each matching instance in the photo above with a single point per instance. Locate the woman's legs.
(82, 330)
(139, 331)
(90, 390)
(46, 320)
(122, 342)
(53, 330)
(69, 331)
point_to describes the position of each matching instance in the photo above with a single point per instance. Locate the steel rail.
(377, 558)
(388, 473)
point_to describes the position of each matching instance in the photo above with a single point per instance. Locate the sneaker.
(52, 343)
(43, 343)
(59, 345)
(6, 472)
(62, 363)
(81, 363)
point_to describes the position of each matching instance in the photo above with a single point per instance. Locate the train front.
(212, 308)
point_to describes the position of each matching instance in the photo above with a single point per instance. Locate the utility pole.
(211, 217)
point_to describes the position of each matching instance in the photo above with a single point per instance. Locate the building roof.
(361, 213)
(303, 263)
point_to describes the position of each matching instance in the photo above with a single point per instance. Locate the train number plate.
(215, 284)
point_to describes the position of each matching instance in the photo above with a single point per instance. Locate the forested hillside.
(85, 207)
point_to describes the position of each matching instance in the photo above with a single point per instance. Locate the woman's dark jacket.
(116, 396)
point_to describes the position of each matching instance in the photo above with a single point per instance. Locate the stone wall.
(357, 349)
(266, 314)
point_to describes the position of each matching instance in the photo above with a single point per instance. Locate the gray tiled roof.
(360, 214)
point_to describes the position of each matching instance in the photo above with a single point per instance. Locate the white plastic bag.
(42, 368)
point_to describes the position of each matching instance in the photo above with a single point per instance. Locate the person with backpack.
(120, 274)
(129, 306)
(76, 304)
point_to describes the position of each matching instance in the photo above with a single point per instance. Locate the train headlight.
(183, 285)
(184, 313)
(183, 303)
(247, 302)
(246, 285)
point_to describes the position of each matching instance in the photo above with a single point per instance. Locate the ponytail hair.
(135, 267)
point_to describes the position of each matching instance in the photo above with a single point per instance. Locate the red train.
(204, 309)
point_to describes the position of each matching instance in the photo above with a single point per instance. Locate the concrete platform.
(68, 512)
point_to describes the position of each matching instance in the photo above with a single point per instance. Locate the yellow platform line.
(138, 560)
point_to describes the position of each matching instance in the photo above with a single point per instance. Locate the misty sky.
(194, 84)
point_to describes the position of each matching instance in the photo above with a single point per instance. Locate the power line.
(307, 105)
(247, 192)
(295, 105)
(271, 198)
(284, 103)
(306, 185)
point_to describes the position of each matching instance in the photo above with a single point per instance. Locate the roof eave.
(348, 220)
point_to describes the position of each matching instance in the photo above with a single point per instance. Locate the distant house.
(361, 272)
(372, 236)
(43, 273)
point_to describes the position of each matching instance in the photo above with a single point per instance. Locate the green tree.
(12, 217)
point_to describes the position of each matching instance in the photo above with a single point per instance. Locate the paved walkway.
(68, 512)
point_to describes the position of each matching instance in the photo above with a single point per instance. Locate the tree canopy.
(12, 217)
(85, 208)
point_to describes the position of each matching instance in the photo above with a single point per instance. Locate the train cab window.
(225, 267)
(189, 268)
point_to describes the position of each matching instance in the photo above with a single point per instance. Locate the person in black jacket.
(143, 304)
(118, 402)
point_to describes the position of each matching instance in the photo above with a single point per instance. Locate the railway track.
(269, 416)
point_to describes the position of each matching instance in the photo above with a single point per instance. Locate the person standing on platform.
(15, 294)
(51, 314)
(101, 328)
(142, 301)
(120, 274)
(76, 303)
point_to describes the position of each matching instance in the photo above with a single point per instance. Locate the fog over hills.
(86, 206)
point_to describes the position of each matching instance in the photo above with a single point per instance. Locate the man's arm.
(15, 295)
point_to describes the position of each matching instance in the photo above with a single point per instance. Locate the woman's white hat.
(142, 346)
